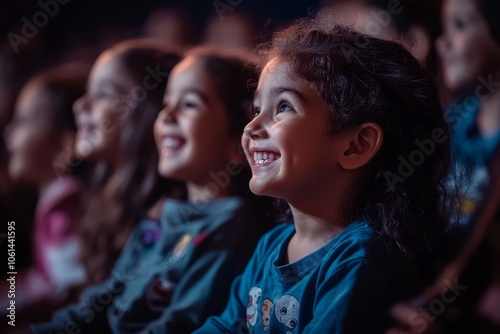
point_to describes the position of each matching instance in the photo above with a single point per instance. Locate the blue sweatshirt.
(172, 274)
(308, 296)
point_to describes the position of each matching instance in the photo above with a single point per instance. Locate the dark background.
(81, 21)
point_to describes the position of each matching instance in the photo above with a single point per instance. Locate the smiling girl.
(115, 120)
(332, 121)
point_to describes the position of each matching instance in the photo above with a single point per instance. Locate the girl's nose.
(255, 128)
(442, 43)
(81, 104)
(167, 115)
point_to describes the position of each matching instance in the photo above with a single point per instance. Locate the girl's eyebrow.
(279, 90)
(110, 83)
(202, 95)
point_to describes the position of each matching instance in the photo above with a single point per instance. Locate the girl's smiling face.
(101, 111)
(192, 130)
(287, 143)
(466, 46)
(30, 137)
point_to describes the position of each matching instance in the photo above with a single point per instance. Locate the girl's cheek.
(245, 143)
(156, 130)
(281, 129)
(21, 138)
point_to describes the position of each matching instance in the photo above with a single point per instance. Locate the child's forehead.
(460, 7)
(278, 69)
(190, 63)
(279, 73)
(35, 99)
(191, 72)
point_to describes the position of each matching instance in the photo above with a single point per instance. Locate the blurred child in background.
(413, 24)
(469, 48)
(115, 122)
(40, 140)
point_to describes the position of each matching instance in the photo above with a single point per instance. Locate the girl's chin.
(260, 189)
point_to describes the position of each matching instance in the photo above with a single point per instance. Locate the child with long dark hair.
(348, 129)
(115, 120)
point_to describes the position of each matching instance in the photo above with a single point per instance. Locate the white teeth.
(171, 142)
(261, 157)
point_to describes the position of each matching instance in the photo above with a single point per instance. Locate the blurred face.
(233, 31)
(287, 144)
(30, 140)
(191, 131)
(466, 47)
(101, 112)
(365, 19)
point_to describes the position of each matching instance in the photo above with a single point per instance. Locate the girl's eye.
(284, 107)
(190, 105)
(459, 24)
(101, 95)
(255, 111)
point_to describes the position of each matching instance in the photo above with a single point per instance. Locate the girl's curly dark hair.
(364, 79)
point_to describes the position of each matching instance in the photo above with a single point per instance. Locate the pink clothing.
(57, 246)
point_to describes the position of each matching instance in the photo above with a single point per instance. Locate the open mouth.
(263, 158)
(85, 130)
(170, 145)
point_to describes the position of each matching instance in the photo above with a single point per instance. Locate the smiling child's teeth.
(171, 142)
(261, 157)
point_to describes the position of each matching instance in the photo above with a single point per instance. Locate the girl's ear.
(361, 145)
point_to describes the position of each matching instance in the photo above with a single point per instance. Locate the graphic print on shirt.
(177, 253)
(475, 189)
(253, 302)
(160, 291)
(181, 247)
(267, 305)
(286, 310)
